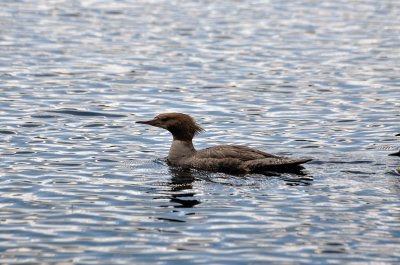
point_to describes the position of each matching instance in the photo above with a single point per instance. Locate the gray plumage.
(238, 159)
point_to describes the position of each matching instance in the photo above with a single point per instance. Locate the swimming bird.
(234, 159)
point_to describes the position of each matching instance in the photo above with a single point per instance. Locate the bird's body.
(234, 159)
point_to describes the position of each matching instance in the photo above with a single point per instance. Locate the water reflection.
(182, 180)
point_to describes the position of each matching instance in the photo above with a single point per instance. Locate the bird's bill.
(150, 122)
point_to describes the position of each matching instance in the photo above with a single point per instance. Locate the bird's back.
(242, 153)
(240, 159)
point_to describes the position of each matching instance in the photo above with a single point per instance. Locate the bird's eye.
(164, 118)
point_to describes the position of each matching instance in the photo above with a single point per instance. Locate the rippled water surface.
(81, 183)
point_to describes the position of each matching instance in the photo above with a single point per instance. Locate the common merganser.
(234, 159)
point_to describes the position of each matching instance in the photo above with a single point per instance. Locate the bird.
(232, 159)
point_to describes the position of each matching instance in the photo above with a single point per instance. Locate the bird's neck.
(180, 150)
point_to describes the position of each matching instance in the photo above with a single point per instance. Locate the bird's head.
(182, 126)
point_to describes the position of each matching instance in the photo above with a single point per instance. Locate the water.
(81, 183)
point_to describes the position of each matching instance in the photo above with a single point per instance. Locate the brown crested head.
(182, 126)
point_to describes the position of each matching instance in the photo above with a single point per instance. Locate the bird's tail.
(281, 164)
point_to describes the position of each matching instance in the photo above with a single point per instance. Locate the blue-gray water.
(81, 183)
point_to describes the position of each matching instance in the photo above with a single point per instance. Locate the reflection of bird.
(395, 154)
(234, 159)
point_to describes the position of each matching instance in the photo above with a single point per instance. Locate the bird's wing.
(242, 153)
